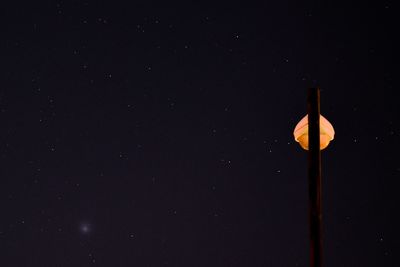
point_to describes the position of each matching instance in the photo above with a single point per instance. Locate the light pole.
(314, 133)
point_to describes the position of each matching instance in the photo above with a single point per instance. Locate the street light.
(326, 135)
(314, 133)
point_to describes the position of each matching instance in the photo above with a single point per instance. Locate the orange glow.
(325, 128)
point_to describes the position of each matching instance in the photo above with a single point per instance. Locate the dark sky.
(161, 135)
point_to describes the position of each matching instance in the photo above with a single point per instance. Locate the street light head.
(326, 132)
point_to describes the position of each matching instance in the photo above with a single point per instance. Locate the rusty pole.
(314, 177)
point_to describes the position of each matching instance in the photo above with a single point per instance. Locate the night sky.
(162, 135)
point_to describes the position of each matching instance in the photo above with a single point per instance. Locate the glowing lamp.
(326, 132)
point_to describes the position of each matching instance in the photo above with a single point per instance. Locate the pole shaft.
(314, 177)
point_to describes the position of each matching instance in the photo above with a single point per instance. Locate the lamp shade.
(326, 132)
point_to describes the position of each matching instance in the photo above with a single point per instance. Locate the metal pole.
(314, 178)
